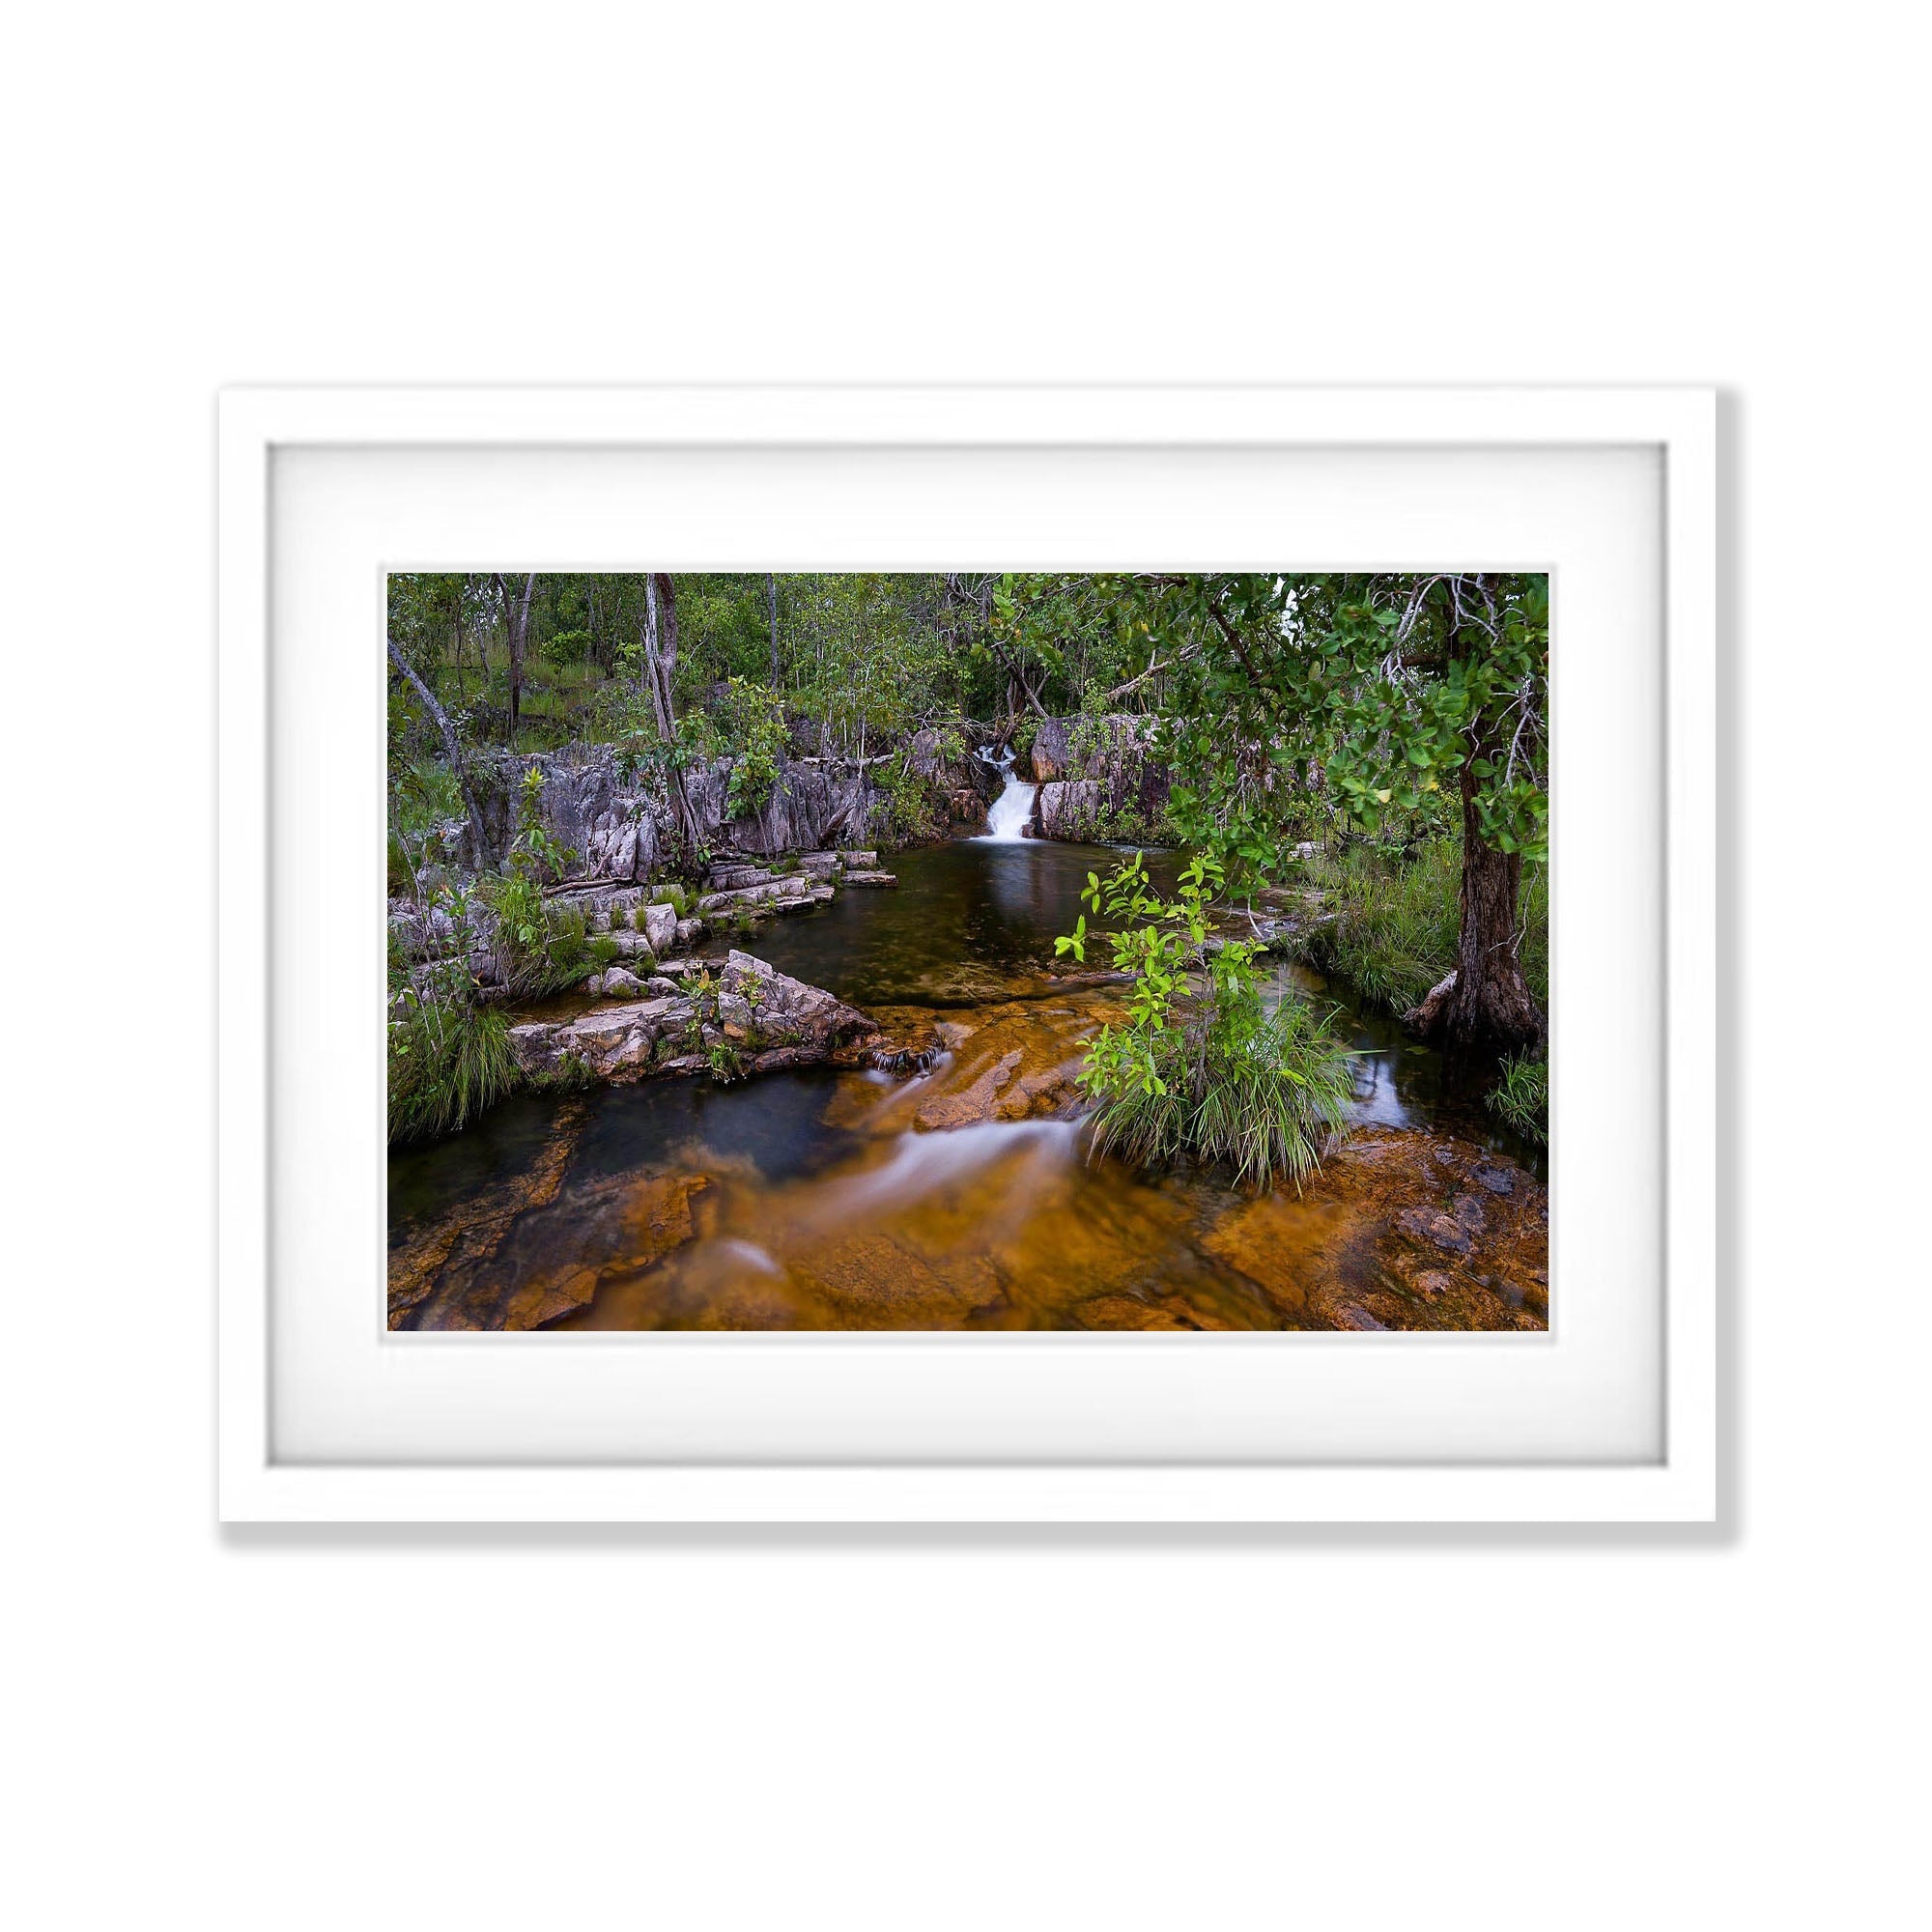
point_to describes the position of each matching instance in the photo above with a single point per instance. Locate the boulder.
(1067, 809)
(618, 984)
(1113, 752)
(623, 1043)
(689, 932)
(661, 927)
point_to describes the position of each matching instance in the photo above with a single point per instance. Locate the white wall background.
(574, 1729)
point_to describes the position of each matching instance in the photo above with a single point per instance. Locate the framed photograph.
(966, 954)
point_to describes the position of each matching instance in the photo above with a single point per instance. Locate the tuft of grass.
(675, 896)
(1268, 1095)
(1520, 1097)
(448, 1060)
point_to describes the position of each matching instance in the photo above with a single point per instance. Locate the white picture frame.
(493, 449)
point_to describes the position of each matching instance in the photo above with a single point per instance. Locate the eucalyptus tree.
(515, 625)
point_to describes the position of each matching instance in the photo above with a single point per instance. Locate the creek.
(956, 1196)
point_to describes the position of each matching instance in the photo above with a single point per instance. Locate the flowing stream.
(958, 1197)
(1007, 815)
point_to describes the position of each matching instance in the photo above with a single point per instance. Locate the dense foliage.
(1287, 700)
(1202, 1066)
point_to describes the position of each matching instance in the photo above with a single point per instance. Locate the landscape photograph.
(1157, 952)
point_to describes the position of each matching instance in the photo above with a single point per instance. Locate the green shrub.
(541, 949)
(448, 1060)
(675, 896)
(1202, 1067)
(756, 714)
(913, 815)
(604, 951)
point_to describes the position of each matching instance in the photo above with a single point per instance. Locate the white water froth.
(1010, 810)
(922, 1164)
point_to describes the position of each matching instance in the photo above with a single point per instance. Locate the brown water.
(961, 1197)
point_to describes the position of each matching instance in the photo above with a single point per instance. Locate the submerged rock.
(1372, 1235)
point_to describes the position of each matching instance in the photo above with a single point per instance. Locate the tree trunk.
(660, 661)
(772, 589)
(1485, 1001)
(450, 745)
(516, 626)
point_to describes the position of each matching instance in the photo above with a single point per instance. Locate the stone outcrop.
(1096, 777)
(761, 1018)
(1067, 809)
(620, 822)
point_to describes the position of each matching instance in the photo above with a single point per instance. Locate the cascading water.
(1005, 819)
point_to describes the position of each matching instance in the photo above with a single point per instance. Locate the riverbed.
(961, 1196)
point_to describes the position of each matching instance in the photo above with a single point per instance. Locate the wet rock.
(1468, 1212)
(689, 932)
(974, 1103)
(871, 878)
(1432, 1282)
(1433, 1225)
(613, 1228)
(1351, 1314)
(1497, 1179)
(465, 1240)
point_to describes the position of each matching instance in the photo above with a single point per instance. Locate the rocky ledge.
(747, 1018)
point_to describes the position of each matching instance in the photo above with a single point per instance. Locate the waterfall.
(1013, 807)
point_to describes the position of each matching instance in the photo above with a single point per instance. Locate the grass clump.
(1202, 1067)
(1521, 1097)
(448, 1060)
